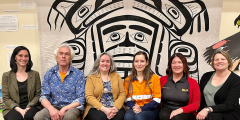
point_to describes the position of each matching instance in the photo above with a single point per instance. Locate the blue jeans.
(144, 115)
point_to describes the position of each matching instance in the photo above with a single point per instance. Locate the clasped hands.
(56, 114)
(22, 111)
(136, 109)
(110, 112)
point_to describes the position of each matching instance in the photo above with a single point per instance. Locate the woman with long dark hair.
(21, 87)
(143, 90)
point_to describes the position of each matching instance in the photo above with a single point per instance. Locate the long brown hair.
(184, 61)
(146, 72)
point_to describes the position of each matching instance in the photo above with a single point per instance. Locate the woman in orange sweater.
(143, 90)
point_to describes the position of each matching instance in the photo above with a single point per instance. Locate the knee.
(128, 116)
(139, 116)
(72, 114)
(29, 117)
(177, 117)
(38, 116)
(164, 116)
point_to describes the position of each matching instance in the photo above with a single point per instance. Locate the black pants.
(94, 114)
(165, 112)
(15, 115)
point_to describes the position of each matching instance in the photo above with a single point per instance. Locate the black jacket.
(226, 98)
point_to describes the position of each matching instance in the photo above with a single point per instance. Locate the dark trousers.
(165, 112)
(94, 114)
(15, 115)
(144, 115)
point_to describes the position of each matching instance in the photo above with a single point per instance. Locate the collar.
(182, 80)
(56, 69)
(135, 79)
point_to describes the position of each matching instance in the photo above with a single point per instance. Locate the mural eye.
(139, 37)
(173, 12)
(114, 37)
(83, 11)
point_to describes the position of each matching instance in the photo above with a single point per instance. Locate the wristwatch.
(208, 110)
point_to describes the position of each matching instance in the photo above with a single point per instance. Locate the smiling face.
(177, 66)
(105, 63)
(220, 62)
(140, 63)
(63, 56)
(22, 58)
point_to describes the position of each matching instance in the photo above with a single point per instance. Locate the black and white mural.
(230, 44)
(123, 27)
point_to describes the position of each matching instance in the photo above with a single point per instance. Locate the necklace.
(18, 78)
(105, 90)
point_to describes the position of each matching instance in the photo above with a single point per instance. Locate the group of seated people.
(64, 93)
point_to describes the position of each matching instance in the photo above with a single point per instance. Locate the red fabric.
(194, 95)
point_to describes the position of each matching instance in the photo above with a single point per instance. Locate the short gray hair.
(95, 69)
(65, 45)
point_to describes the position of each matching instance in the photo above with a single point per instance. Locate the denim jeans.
(144, 115)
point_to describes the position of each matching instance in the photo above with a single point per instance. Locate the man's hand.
(62, 112)
(55, 114)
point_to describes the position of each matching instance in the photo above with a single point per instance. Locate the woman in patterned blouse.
(104, 90)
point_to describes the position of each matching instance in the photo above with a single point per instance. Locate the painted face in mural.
(140, 63)
(177, 66)
(123, 30)
(220, 62)
(123, 36)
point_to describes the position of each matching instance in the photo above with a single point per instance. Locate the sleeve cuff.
(81, 107)
(30, 104)
(42, 97)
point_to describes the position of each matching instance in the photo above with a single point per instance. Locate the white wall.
(25, 37)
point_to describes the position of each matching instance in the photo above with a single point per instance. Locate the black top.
(23, 93)
(226, 98)
(175, 95)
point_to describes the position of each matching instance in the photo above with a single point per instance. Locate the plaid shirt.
(71, 90)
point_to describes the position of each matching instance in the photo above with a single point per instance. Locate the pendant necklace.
(105, 90)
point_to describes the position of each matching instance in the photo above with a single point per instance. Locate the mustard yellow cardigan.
(94, 91)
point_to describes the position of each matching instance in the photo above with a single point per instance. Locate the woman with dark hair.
(180, 93)
(104, 91)
(143, 90)
(220, 90)
(21, 87)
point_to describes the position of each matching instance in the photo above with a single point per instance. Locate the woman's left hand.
(114, 111)
(202, 114)
(176, 112)
(136, 109)
(27, 108)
